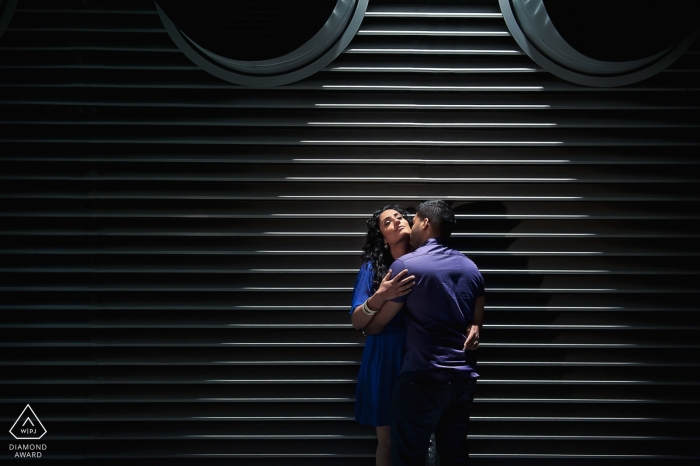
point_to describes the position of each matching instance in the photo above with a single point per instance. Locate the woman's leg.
(383, 446)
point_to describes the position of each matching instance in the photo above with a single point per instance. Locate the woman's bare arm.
(389, 289)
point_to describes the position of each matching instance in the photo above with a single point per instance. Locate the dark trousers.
(421, 406)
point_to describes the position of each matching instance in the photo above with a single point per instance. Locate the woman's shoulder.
(366, 268)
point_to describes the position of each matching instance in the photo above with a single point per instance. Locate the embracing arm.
(389, 289)
(383, 317)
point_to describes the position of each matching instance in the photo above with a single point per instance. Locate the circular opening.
(262, 43)
(622, 31)
(596, 44)
(262, 30)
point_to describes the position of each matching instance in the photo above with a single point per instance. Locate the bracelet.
(367, 310)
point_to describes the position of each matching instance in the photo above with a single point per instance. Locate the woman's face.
(394, 226)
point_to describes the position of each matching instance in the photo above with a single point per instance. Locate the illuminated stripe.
(439, 51)
(417, 178)
(441, 143)
(435, 106)
(433, 70)
(383, 32)
(418, 124)
(502, 198)
(418, 14)
(436, 161)
(436, 88)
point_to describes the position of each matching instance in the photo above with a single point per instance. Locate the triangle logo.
(28, 426)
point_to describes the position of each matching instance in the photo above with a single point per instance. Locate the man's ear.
(425, 223)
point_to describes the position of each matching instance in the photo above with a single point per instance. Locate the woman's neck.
(399, 249)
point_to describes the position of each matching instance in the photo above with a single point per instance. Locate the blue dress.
(381, 360)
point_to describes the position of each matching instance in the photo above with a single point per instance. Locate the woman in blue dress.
(388, 238)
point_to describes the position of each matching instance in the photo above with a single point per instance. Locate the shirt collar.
(431, 241)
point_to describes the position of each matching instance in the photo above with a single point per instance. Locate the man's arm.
(474, 328)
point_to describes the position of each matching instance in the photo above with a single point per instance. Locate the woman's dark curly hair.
(374, 250)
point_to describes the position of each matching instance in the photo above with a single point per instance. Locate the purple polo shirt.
(439, 308)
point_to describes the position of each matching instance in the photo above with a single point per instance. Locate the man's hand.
(472, 342)
(400, 285)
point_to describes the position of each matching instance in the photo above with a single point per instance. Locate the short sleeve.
(395, 268)
(478, 284)
(363, 286)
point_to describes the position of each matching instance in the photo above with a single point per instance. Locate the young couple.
(421, 304)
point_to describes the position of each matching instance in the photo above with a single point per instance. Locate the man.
(435, 390)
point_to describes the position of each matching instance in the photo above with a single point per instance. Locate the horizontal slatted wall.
(178, 253)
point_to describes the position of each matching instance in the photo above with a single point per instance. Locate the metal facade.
(177, 253)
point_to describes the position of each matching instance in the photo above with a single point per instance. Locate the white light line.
(287, 325)
(322, 215)
(295, 362)
(433, 70)
(435, 106)
(568, 437)
(567, 345)
(296, 288)
(562, 400)
(441, 197)
(280, 380)
(418, 14)
(339, 252)
(574, 290)
(464, 235)
(251, 436)
(540, 456)
(307, 252)
(280, 398)
(307, 270)
(556, 418)
(552, 271)
(382, 32)
(313, 233)
(517, 216)
(440, 51)
(440, 143)
(482, 270)
(545, 327)
(367, 215)
(268, 417)
(524, 235)
(597, 308)
(417, 178)
(417, 124)
(526, 253)
(436, 88)
(293, 307)
(435, 161)
(296, 343)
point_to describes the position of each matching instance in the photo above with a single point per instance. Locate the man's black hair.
(440, 215)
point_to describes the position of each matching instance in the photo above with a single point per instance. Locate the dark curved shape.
(7, 9)
(249, 31)
(315, 46)
(534, 30)
(624, 30)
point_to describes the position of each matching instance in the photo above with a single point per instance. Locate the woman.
(388, 238)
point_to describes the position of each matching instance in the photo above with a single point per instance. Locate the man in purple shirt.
(435, 390)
